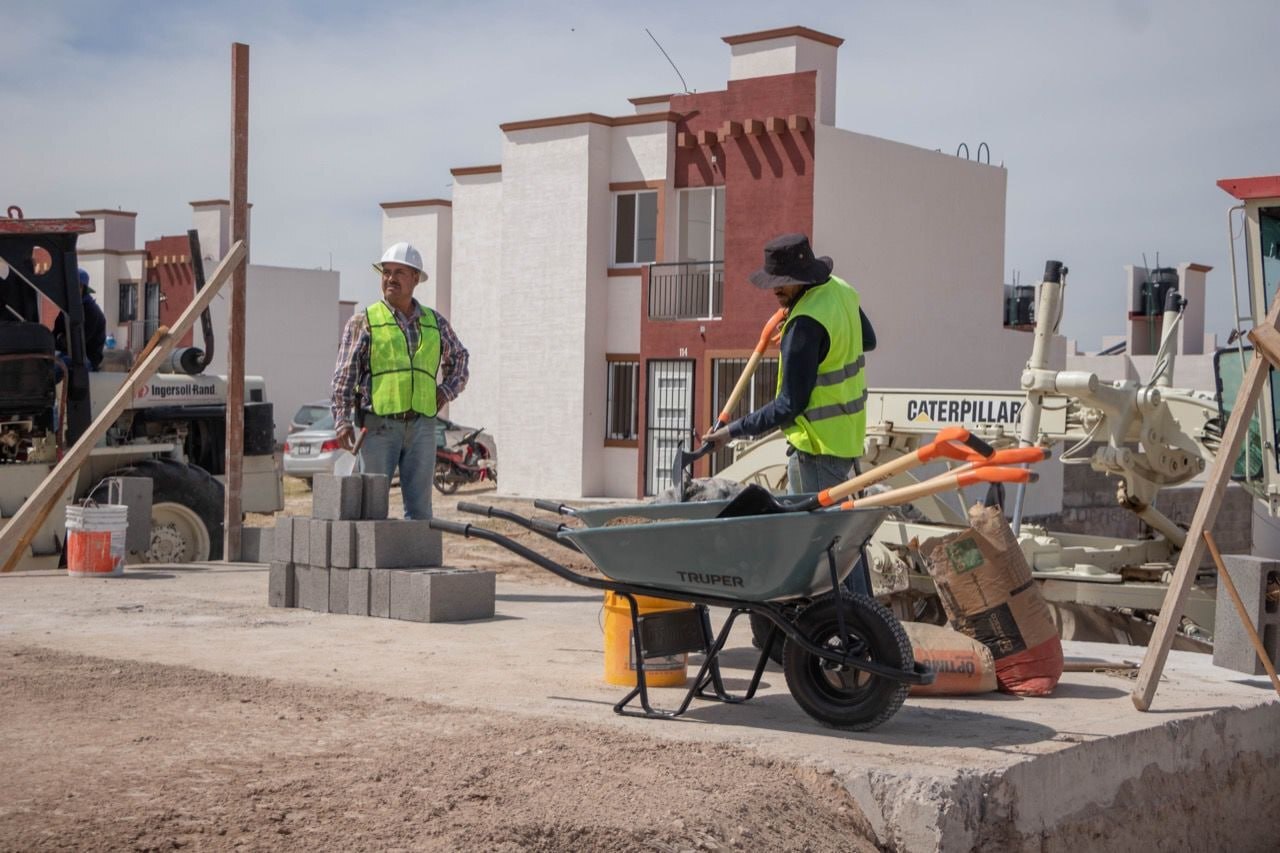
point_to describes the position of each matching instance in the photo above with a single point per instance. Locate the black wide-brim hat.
(790, 260)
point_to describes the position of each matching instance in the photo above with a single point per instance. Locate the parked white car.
(312, 450)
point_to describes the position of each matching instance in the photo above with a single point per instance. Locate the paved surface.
(926, 779)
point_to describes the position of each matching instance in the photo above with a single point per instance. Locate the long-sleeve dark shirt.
(804, 345)
(95, 332)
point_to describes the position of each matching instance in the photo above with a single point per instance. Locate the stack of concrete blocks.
(1256, 579)
(350, 558)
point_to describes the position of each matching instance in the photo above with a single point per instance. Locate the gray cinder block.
(409, 595)
(457, 595)
(380, 592)
(313, 587)
(376, 496)
(282, 541)
(318, 549)
(281, 587)
(257, 544)
(1232, 648)
(358, 591)
(397, 543)
(135, 493)
(302, 541)
(342, 544)
(433, 594)
(339, 589)
(337, 498)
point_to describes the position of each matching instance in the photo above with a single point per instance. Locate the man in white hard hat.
(399, 364)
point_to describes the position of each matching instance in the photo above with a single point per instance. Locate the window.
(724, 376)
(151, 311)
(620, 412)
(635, 228)
(702, 224)
(128, 309)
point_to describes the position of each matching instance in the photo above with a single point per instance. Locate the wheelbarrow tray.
(752, 558)
(687, 511)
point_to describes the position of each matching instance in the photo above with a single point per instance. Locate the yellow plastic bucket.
(620, 650)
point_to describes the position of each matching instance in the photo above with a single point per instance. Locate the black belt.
(403, 416)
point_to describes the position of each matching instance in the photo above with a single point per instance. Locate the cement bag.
(986, 588)
(961, 665)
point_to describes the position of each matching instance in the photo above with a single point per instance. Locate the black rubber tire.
(850, 700)
(188, 485)
(760, 628)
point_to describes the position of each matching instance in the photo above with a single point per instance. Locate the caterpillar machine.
(172, 432)
(1144, 436)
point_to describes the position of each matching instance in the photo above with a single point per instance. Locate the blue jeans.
(807, 473)
(409, 446)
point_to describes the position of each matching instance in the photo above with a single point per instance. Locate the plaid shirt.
(352, 379)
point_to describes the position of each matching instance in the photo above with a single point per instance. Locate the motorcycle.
(467, 461)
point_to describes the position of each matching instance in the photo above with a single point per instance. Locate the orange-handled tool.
(684, 460)
(942, 483)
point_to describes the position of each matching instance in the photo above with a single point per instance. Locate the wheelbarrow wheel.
(847, 698)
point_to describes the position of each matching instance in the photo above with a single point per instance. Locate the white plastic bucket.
(95, 540)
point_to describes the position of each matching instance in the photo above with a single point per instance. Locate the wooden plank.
(1206, 513)
(62, 473)
(1267, 341)
(234, 466)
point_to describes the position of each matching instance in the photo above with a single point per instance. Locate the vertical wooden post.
(235, 344)
(1224, 462)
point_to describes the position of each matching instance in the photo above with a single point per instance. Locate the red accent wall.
(176, 278)
(768, 181)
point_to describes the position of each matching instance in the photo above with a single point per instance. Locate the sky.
(1114, 118)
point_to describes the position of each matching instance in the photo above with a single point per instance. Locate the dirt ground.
(123, 755)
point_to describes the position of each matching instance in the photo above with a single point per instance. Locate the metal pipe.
(1048, 315)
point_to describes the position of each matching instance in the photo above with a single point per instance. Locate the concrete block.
(302, 541)
(282, 541)
(318, 549)
(432, 594)
(282, 589)
(257, 544)
(342, 544)
(313, 587)
(1232, 648)
(380, 592)
(376, 496)
(409, 595)
(397, 543)
(135, 493)
(337, 498)
(358, 591)
(339, 589)
(457, 595)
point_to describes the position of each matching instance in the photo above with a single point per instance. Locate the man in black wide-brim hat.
(821, 399)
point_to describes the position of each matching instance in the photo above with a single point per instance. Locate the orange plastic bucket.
(89, 552)
(620, 649)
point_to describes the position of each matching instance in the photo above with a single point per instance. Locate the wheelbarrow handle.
(553, 506)
(445, 526)
(475, 509)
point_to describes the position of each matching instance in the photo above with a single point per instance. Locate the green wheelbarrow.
(847, 661)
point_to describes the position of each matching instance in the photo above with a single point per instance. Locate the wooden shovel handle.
(941, 483)
(952, 442)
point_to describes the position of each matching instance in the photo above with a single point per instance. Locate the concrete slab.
(312, 585)
(282, 590)
(397, 544)
(358, 592)
(1232, 647)
(282, 540)
(376, 496)
(257, 544)
(336, 498)
(318, 550)
(342, 544)
(1082, 770)
(135, 493)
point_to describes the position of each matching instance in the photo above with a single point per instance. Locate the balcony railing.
(686, 291)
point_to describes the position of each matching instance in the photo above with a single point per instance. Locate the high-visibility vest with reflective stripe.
(834, 421)
(402, 383)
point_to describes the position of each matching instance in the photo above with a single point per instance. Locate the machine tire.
(182, 496)
(850, 700)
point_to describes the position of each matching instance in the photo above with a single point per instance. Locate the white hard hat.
(402, 253)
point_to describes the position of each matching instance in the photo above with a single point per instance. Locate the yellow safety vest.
(834, 421)
(402, 383)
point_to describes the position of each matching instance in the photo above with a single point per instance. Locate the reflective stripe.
(835, 409)
(835, 377)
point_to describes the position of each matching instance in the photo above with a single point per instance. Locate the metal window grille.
(151, 311)
(128, 306)
(621, 411)
(686, 291)
(669, 418)
(724, 376)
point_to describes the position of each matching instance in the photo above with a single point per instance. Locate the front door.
(669, 420)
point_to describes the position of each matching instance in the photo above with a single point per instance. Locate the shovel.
(682, 466)
(346, 465)
(952, 442)
(941, 483)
